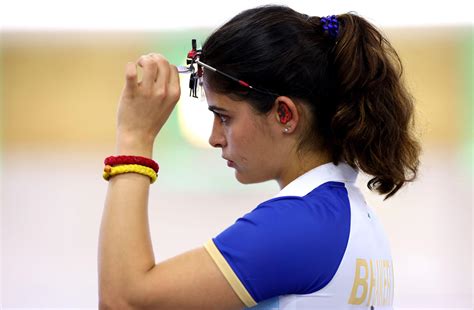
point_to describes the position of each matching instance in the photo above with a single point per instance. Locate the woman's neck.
(299, 164)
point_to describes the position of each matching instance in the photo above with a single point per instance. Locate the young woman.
(319, 99)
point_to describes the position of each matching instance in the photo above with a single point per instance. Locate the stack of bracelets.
(124, 164)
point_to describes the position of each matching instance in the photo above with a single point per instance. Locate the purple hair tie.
(331, 25)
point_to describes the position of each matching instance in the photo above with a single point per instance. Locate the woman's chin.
(246, 179)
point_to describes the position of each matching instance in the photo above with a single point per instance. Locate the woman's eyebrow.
(216, 109)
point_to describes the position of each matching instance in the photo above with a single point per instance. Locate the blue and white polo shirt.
(316, 245)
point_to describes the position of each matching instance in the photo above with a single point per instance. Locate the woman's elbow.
(112, 301)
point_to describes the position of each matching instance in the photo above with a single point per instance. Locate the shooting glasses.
(196, 77)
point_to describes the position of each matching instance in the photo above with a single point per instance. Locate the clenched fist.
(145, 105)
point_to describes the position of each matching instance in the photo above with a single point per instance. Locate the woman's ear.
(286, 113)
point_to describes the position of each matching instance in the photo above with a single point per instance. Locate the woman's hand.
(145, 105)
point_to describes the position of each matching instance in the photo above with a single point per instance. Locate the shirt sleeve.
(287, 245)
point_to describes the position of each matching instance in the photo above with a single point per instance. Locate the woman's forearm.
(125, 248)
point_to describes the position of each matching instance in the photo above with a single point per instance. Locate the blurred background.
(61, 74)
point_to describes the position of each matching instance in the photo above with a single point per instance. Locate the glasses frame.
(193, 58)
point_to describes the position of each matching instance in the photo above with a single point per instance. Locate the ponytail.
(373, 122)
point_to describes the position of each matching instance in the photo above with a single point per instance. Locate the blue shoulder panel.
(289, 245)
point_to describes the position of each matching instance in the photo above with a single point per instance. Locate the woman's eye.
(223, 118)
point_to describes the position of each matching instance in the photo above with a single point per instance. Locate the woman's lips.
(230, 163)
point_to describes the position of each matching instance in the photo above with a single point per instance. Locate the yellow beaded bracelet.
(110, 171)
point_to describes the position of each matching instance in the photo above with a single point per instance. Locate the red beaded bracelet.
(131, 160)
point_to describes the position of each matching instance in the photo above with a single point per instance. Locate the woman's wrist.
(134, 145)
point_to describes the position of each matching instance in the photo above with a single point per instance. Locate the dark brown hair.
(352, 83)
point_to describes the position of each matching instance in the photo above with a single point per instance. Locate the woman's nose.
(217, 138)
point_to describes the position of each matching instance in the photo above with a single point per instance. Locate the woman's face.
(246, 139)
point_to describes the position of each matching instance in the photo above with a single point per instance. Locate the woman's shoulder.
(331, 194)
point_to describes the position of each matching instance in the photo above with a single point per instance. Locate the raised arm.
(129, 278)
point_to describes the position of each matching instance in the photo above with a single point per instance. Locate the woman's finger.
(131, 76)
(150, 70)
(174, 85)
(161, 83)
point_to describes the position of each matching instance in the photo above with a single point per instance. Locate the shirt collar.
(311, 179)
